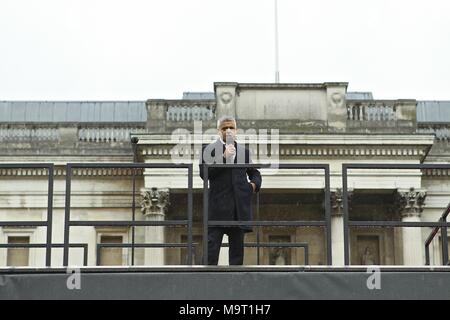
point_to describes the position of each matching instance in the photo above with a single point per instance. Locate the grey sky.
(134, 50)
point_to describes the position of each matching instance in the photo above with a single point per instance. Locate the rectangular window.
(18, 257)
(111, 256)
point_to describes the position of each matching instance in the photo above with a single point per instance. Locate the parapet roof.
(135, 111)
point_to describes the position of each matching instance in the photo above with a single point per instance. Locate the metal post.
(428, 241)
(306, 255)
(277, 72)
(85, 254)
(328, 214)
(205, 214)
(67, 216)
(48, 252)
(444, 241)
(98, 259)
(134, 142)
(427, 255)
(345, 209)
(257, 230)
(190, 213)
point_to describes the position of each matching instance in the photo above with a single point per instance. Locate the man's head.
(226, 126)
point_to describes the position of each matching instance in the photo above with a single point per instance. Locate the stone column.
(154, 205)
(411, 206)
(337, 226)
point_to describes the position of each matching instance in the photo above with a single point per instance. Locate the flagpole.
(277, 72)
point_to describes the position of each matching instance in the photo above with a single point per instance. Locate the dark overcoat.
(230, 192)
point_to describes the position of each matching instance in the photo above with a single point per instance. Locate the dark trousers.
(235, 241)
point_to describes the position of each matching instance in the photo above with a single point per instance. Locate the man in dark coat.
(230, 192)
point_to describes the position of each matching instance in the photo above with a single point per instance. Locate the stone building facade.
(302, 123)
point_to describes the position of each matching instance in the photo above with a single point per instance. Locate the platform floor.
(227, 283)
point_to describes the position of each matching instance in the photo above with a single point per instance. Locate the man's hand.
(254, 186)
(230, 151)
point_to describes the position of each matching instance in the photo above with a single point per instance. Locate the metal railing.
(185, 245)
(442, 224)
(294, 223)
(84, 246)
(68, 223)
(444, 242)
(289, 245)
(348, 223)
(133, 223)
(100, 246)
(48, 223)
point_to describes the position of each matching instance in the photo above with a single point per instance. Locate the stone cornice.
(279, 86)
(304, 145)
(79, 172)
(60, 160)
(301, 139)
(436, 172)
(60, 166)
(309, 151)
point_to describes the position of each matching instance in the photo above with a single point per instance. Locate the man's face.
(227, 130)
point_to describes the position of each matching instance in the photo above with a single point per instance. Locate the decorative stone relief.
(226, 97)
(154, 201)
(337, 204)
(410, 203)
(337, 99)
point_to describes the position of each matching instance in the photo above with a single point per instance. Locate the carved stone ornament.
(337, 99)
(410, 203)
(154, 201)
(226, 97)
(337, 204)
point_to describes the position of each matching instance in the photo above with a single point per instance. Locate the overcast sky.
(135, 50)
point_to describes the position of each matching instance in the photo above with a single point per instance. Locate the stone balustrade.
(442, 131)
(167, 115)
(81, 132)
(189, 113)
(107, 133)
(20, 132)
(371, 110)
(381, 116)
(181, 110)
